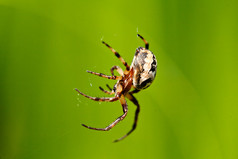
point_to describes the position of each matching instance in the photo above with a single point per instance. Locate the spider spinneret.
(139, 76)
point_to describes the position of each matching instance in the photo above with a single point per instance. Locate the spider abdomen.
(144, 65)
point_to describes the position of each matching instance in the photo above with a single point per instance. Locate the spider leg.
(119, 70)
(134, 100)
(103, 99)
(107, 92)
(135, 91)
(146, 43)
(109, 87)
(105, 76)
(125, 110)
(118, 56)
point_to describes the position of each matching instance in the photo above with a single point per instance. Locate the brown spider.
(139, 76)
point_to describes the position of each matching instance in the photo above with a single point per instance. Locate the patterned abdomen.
(144, 66)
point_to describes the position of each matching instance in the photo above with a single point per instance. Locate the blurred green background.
(189, 112)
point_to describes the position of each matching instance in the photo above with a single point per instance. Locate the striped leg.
(133, 99)
(125, 109)
(119, 70)
(118, 56)
(146, 43)
(107, 92)
(103, 99)
(105, 76)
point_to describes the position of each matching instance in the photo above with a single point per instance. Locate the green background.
(189, 112)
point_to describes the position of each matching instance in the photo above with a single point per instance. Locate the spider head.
(144, 66)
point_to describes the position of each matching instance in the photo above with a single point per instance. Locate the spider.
(139, 76)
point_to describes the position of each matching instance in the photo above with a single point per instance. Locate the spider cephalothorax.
(139, 76)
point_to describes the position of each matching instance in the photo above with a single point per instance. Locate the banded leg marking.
(109, 87)
(125, 110)
(118, 56)
(103, 99)
(118, 69)
(146, 43)
(105, 76)
(107, 92)
(134, 100)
